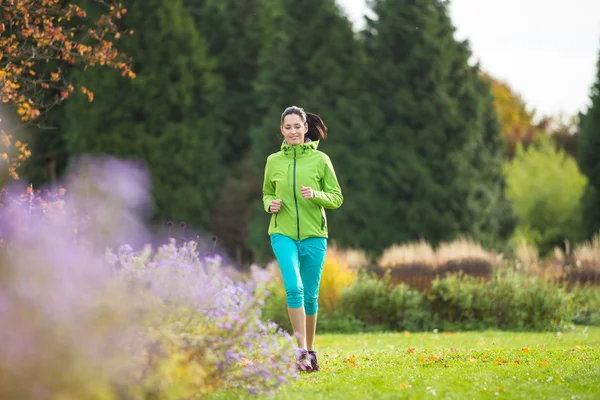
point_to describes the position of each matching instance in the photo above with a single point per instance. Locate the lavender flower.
(153, 320)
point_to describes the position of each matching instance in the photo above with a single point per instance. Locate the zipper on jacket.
(295, 199)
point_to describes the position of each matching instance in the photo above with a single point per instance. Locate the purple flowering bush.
(81, 319)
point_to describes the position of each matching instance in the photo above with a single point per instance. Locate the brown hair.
(316, 127)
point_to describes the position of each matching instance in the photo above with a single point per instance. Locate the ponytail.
(316, 127)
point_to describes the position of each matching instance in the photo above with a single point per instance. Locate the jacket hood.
(307, 146)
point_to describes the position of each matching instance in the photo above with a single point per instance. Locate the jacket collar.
(301, 149)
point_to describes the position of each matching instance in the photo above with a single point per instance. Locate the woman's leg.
(312, 257)
(286, 252)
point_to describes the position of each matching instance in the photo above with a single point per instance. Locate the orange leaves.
(88, 92)
(27, 112)
(12, 154)
(40, 32)
(350, 360)
(525, 349)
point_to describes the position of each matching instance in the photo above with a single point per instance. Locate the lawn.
(444, 365)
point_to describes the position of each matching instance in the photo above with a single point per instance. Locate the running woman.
(299, 184)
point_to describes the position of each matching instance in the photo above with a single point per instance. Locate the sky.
(546, 50)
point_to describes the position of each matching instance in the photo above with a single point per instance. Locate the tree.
(38, 41)
(165, 117)
(494, 219)
(428, 112)
(310, 58)
(233, 38)
(589, 158)
(515, 118)
(563, 130)
(546, 188)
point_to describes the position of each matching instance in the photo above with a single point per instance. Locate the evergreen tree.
(589, 159)
(493, 217)
(232, 33)
(428, 112)
(165, 117)
(310, 58)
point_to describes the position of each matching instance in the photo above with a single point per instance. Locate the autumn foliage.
(39, 41)
(514, 117)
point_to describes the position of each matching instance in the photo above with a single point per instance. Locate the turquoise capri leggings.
(301, 263)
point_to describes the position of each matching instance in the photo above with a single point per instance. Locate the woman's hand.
(307, 192)
(275, 206)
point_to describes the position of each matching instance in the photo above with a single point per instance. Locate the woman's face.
(294, 129)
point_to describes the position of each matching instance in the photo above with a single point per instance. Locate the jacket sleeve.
(268, 189)
(331, 196)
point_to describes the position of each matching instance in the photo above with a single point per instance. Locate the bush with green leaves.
(546, 188)
(509, 300)
(585, 307)
(373, 302)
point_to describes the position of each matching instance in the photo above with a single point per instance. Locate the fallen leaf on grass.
(544, 364)
(472, 359)
(500, 361)
(479, 343)
(517, 362)
(525, 349)
(404, 386)
(350, 360)
(411, 350)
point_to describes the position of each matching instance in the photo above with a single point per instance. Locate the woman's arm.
(331, 196)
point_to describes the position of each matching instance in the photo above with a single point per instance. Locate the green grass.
(473, 365)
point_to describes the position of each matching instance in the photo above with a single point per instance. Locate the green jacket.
(285, 171)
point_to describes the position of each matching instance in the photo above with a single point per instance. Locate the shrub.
(546, 188)
(510, 300)
(406, 255)
(371, 301)
(417, 264)
(586, 265)
(459, 301)
(585, 307)
(355, 258)
(463, 249)
(336, 276)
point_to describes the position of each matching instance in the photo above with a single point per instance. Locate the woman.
(299, 184)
